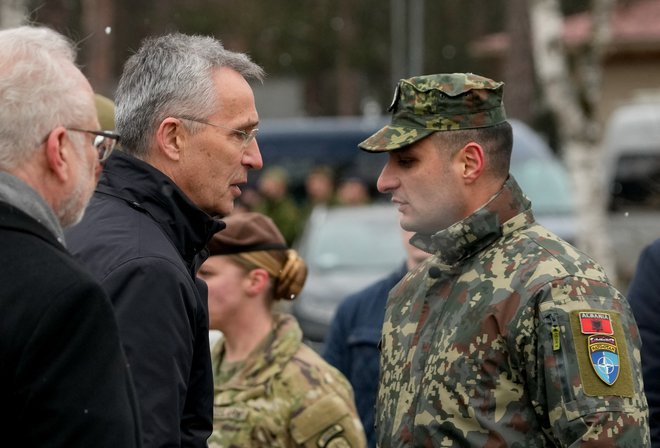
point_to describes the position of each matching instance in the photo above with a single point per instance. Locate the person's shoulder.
(324, 413)
(309, 370)
(546, 255)
(653, 249)
(374, 294)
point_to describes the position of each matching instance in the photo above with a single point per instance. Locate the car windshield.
(368, 240)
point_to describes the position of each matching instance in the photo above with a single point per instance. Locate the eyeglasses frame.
(105, 134)
(247, 136)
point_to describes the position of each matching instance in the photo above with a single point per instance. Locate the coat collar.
(147, 189)
(474, 233)
(17, 193)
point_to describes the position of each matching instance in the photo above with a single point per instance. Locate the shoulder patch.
(602, 353)
(595, 323)
(317, 419)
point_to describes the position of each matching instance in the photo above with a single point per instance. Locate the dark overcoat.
(64, 381)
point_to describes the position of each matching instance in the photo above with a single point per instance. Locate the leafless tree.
(98, 34)
(519, 68)
(572, 96)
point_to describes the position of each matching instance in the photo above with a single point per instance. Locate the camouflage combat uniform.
(508, 336)
(284, 395)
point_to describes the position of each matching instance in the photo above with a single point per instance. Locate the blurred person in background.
(105, 109)
(277, 203)
(507, 335)
(64, 379)
(271, 390)
(644, 298)
(352, 342)
(353, 191)
(319, 189)
(188, 119)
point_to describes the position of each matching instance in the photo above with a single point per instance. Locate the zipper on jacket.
(555, 332)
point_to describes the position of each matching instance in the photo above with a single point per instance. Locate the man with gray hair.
(188, 120)
(64, 380)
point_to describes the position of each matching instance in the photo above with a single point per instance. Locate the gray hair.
(171, 75)
(37, 92)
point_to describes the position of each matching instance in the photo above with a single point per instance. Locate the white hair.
(37, 91)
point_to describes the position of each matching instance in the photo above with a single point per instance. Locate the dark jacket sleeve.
(72, 381)
(336, 351)
(161, 321)
(644, 298)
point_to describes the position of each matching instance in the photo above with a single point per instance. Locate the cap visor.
(394, 137)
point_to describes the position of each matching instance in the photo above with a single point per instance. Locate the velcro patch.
(595, 323)
(603, 359)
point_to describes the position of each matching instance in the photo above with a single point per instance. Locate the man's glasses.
(247, 136)
(104, 141)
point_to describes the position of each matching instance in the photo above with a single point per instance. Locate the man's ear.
(170, 137)
(59, 154)
(472, 162)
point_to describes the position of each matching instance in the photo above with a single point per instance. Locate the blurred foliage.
(312, 40)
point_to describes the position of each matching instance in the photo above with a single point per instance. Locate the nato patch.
(604, 355)
(595, 323)
(603, 359)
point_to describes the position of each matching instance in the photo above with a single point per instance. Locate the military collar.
(471, 235)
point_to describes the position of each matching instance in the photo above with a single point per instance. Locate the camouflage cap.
(444, 102)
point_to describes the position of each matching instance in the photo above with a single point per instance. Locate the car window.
(636, 181)
(540, 173)
(355, 241)
(546, 184)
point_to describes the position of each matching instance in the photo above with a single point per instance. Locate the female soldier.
(271, 390)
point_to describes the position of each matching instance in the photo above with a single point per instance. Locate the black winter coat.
(64, 381)
(644, 299)
(144, 241)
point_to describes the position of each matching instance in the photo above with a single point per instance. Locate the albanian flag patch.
(595, 323)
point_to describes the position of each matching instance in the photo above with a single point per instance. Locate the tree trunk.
(519, 68)
(348, 87)
(577, 128)
(97, 24)
(12, 13)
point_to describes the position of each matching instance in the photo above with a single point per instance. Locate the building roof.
(635, 27)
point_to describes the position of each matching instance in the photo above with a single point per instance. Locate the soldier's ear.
(471, 160)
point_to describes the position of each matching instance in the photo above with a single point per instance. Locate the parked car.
(347, 248)
(545, 180)
(632, 177)
(300, 144)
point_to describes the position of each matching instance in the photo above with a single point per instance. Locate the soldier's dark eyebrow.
(402, 150)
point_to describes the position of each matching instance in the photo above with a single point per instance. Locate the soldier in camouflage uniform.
(271, 390)
(506, 336)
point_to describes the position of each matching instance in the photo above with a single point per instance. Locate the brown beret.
(247, 232)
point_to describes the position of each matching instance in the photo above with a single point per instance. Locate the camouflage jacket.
(508, 337)
(284, 395)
